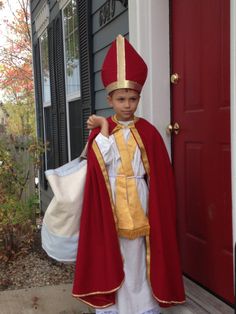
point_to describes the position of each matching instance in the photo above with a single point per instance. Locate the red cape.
(99, 267)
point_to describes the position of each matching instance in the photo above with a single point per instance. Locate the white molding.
(69, 97)
(233, 109)
(149, 34)
(44, 124)
(67, 100)
(42, 19)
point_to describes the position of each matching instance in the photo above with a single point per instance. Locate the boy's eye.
(120, 99)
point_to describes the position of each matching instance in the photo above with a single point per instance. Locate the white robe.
(134, 296)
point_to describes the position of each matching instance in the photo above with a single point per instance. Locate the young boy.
(127, 259)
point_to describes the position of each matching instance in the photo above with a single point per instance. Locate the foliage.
(15, 156)
(16, 230)
(17, 217)
(16, 54)
(16, 78)
(20, 117)
(19, 149)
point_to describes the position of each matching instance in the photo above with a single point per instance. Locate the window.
(45, 69)
(46, 97)
(72, 70)
(72, 76)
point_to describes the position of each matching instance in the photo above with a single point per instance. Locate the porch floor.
(58, 300)
(199, 301)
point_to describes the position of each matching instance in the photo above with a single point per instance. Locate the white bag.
(60, 227)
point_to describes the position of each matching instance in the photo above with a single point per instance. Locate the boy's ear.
(109, 100)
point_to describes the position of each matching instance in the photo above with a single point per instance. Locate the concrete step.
(58, 300)
(42, 300)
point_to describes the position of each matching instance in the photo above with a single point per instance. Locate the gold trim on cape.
(90, 304)
(143, 150)
(99, 292)
(80, 296)
(105, 175)
(148, 258)
(168, 302)
(117, 127)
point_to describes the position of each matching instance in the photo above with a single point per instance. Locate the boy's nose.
(127, 104)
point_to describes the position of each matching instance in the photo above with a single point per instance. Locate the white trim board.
(149, 34)
(233, 109)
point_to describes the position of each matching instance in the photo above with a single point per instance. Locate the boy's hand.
(96, 122)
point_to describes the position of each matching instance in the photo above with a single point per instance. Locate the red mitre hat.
(123, 67)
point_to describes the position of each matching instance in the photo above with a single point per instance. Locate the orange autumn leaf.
(16, 55)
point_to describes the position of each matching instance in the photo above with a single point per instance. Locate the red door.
(201, 150)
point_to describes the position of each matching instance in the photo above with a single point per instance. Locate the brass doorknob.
(173, 128)
(175, 78)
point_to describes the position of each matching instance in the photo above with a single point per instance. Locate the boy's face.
(124, 102)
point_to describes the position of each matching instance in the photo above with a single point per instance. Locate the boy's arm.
(98, 121)
(102, 139)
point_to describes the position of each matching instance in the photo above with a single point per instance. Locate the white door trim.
(149, 34)
(233, 108)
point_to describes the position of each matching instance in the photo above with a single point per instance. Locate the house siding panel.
(36, 6)
(106, 35)
(96, 5)
(92, 35)
(102, 37)
(54, 9)
(119, 10)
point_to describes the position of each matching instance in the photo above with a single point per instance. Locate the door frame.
(233, 109)
(149, 33)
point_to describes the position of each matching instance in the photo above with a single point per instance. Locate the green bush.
(19, 162)
(17, 214)
(16, 230)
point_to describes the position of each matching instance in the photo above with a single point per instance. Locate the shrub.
(19, 162)
(16, 230)
(17, 208)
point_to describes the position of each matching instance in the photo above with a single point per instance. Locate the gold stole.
(131, 219)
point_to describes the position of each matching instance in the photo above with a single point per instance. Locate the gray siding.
(102, 37)
(35, 7)
(114, 17)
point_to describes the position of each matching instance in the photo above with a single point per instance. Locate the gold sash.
(131, 219)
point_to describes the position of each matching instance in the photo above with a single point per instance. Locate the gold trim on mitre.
(123, 84)
(120, 55)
